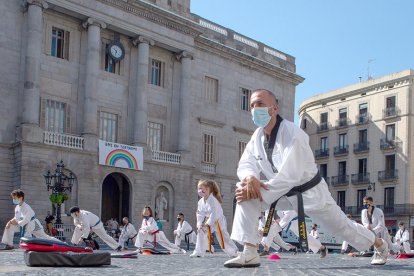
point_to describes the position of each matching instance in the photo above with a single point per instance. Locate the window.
(242, 146)
(341, 199)
(342, 168)
(343, 117)
(389, 197)
(245, 99)
(324, 143)
(211, 90)
(343, 141)
(363, 113)
(156, 72)
(208, 148)
(390, 163)
(60, 43)
(360, 197)
(390, 133)
(55, 116)
(362, 166)
(324, 121)
(363, 136)
(154, 135)
(390, 106)
(323, 169)
(108, 126)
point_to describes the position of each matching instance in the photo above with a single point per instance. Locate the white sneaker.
(244, 259)
(195, 255)
(179, 251)
(380, 257)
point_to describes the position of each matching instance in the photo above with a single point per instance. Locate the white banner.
(121, 156)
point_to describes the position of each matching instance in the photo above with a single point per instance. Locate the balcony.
(389, 144)
(208, 168)
(341, 150)
(342, 123)
(340, 180)
(388, 175)
(396, 209)
(322, 127)
(321, 153)
(361, 147)
(63, 140)
(166, 157)
(362, 119)
(360, 178)
(390, 112)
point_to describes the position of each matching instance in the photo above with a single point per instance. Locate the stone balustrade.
(166, 157)
(63, 140)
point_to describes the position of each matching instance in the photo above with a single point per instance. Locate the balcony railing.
(360, 178)
(166, 157)
(323, 127)
(63, 140)
(340, 180)
(341, 150)
(391, 112)
(208, 168)
(388, 144)
(388, 175)
(396, 209)
(361, 147)
(321, 153)
(342, 122)
(362, 119)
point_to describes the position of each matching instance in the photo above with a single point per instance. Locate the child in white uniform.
(402, 239)
(210, 219)
(184, 232)
(24, 220)
(149, 232)
(128, 232)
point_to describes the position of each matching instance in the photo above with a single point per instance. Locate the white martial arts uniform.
(211, 209)
(128, 232)
(184, 232)
(273, 239)
(378, 225)
(87, 221)
(25, 217)
(293, 158)
(402, 241)
(149, 232)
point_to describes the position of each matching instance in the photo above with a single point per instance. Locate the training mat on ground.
(33, 258)
(34, 244)
(150, 251)
(131, 255)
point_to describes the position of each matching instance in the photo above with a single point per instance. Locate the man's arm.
(381, 221)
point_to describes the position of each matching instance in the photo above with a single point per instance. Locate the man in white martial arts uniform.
(84, 222)
(184, 232)
(345, 245)
(24, 220)
(293, 167)
(402, 239)
(128, 232)
(373, 219)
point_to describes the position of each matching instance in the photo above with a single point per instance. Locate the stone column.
(185, 94)
(141, 97)
(33, 52)
(90, 113)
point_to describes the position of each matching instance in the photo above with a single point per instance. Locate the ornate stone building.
(362, 140)
(147, 74)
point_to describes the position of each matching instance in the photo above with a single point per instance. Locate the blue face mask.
(260, 116)
(16, 201)
(365, 206)
(146, 217)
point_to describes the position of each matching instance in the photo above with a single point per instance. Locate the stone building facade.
(179, 89)
(362, 140)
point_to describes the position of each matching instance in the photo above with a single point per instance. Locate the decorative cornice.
(94, 22)
(40, 3)
(157, 15)
(210, 122)
(183, 54)
(243, 130)
(142, 39)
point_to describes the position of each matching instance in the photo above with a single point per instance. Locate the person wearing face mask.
(128, 233)
(149, 232)
(86, 221)
(24, 220)
(402, 239)
(279, 151)
(210, 219)
(184, 231)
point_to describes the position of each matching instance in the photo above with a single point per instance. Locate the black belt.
(296, 191)
(187, 239)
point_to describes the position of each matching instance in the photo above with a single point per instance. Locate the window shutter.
(67, 119)
(43, 113)
(67, 38)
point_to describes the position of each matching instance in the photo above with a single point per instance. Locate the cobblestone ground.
(12, 263)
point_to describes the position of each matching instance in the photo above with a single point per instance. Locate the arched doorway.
(115, 197)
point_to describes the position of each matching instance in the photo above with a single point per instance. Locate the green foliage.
(58, 198)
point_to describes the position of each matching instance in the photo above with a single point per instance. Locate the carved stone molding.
(184, 54)
(40, 3)
(142, 39)
(243, 130)
(210, 122)
(91, 21)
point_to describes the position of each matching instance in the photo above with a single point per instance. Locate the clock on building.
(116, 50)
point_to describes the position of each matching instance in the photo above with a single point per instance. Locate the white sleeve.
(364, 218)
(248, 165)
(381, 221)
(214, 204)
(406, 236)
(200, 214)
(286, 218)
(151, 225)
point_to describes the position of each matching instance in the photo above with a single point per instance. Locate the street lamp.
(371, 186)
(59, 183)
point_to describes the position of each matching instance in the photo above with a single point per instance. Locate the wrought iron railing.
(361, 147)
(360, 178)
(340, 150)
(340, 180)
(320, 153)
(388, 175)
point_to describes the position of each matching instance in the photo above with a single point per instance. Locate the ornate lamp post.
(59, 183)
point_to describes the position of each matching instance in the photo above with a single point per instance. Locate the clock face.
(116, 51)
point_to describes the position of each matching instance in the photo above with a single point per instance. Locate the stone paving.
(12, 262)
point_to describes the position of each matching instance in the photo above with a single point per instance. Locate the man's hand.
(370, 227)
(250, 189)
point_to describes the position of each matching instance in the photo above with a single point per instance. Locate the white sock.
(250, 249)
(382, 247)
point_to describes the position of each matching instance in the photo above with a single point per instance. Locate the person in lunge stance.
(24, 220)
(184, 232)
(128, 233)
(86, 221)
(210, 219)
(280, 151)
(149, 232)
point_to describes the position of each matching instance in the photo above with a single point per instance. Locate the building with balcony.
(136, 74)
(375, 117)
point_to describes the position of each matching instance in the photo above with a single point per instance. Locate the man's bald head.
(269, 94)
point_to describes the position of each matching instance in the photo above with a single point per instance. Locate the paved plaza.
(12, 263)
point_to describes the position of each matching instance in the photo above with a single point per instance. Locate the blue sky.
(334, 41)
